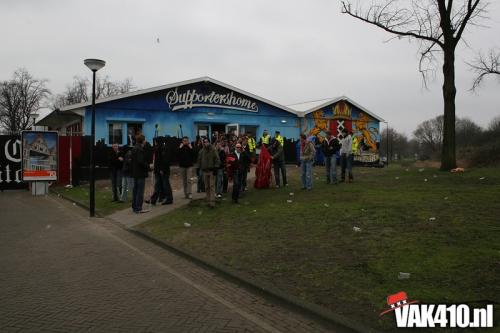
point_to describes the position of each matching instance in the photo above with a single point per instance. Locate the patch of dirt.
(427, 164)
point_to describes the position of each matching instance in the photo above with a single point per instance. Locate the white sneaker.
(219, 196)
(190, 196)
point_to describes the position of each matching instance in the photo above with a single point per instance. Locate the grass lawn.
(308, 248)
(103, 196)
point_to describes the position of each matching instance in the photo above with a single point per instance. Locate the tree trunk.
(448, 156)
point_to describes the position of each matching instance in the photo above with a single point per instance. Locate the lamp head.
(94, 64)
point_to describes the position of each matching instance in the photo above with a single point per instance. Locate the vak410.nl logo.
(410, 313)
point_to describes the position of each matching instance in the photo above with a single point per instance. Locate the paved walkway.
(129, 219)
(63, 272)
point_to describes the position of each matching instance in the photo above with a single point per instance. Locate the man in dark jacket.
(116, 165)
(161, 169)
(278, 157)
(209, 162)
(246, 161)
(236, 166)
(186, 155)
(140, 169)
(219, 180)
(127, 179)
(330, 147)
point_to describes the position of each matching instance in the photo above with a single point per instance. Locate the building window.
(252, 130)
(115, 133)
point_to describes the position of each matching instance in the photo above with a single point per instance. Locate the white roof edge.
(342, 98)
(178, 84)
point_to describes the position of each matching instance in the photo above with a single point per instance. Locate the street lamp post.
(388, 135)
(94, 65)
(33, 116)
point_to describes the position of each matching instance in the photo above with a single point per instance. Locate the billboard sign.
(40, 155)
(10, 163)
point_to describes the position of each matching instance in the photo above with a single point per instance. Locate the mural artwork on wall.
(342, 116)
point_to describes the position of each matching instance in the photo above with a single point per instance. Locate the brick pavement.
(62, 272)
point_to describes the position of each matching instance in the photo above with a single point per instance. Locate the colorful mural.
(342, 115)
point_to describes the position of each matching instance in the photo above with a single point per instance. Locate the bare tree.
(429, 135)
(438, 25)
(494, 126)
(398, 144)
(485, 65)
(468, 132)
(20, 97)
(80, 90)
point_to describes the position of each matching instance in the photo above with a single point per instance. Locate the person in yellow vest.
(279, 138)
(355, 145)
(252, 145)
(265, 139)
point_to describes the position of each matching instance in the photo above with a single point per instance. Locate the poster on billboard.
(39, 155)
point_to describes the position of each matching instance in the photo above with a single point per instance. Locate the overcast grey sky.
(286, 51)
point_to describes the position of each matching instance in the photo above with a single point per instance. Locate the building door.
(233, 128)
(133, 129)
(219, 128)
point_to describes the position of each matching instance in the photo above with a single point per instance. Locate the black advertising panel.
(10, 163)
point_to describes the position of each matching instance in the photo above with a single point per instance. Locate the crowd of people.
(216, 161)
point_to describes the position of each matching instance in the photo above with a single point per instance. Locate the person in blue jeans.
(306, 161)
(346, 157)
(140, 168)
(330, 147)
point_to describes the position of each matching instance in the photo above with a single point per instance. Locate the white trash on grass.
(187, 225)
(356, 229)
(432, 219)
(403, 276)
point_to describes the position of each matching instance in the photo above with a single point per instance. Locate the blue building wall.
(182, 118)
